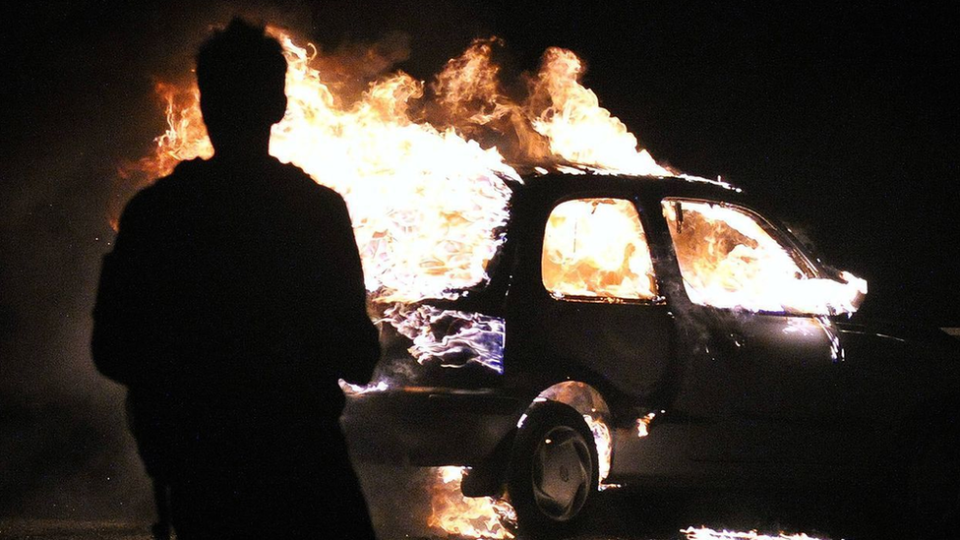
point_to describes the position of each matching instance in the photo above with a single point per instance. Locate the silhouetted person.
(232, 303)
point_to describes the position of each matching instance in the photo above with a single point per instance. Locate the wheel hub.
(561, 473)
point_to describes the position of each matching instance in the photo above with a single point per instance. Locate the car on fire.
(657, 332)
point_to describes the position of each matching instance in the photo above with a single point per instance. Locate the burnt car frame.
(683, 392)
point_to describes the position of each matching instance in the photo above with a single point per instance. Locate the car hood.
(899, 338)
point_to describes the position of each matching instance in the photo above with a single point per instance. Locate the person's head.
(241, 73)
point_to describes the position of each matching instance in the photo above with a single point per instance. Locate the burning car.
(600, 322)
(656, 331)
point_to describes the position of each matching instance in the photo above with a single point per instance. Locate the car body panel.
(430, 426)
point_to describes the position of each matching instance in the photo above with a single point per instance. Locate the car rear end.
(438, 396)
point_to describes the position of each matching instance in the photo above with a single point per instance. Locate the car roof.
(550, 187)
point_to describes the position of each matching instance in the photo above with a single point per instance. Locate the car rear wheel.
(553, 470)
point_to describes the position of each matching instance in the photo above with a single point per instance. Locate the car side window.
(728, 259)
(596, 248)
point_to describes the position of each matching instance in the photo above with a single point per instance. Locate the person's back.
(231, 305)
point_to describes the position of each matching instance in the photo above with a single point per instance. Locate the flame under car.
(659, 332)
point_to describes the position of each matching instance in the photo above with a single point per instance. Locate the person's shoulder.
(297, 179)
(162, 193)
(183, 175)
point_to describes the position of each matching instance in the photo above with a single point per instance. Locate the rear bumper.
(429, 427)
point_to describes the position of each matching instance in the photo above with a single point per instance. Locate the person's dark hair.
(241, 73)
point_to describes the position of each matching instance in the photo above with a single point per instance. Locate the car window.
(728, 259)
(597, 248)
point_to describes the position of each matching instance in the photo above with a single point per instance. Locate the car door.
(586, 303)
(772, 362)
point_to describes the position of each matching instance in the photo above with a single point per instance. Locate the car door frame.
(735, 384)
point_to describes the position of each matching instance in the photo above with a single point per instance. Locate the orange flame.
(729, 260)
(468, 88)
(578, 128)
(475, 517)
(426, 202)
(604, 443)
(596, 248)
(643, 424)
(703, 533)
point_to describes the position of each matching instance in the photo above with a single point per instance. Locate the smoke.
(64, 450)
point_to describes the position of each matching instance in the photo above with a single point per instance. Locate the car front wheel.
(553, 470)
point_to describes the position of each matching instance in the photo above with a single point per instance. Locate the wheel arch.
(589, 403)
(486, 479)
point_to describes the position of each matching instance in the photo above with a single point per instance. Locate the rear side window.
(728, 259)
(596, 248)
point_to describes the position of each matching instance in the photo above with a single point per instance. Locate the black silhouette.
(231, 305)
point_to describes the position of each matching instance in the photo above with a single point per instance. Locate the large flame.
(426, 200)
(579, 130)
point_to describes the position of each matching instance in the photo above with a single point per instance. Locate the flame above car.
(426, 200)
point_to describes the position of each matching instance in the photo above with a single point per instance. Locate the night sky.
(843, 117)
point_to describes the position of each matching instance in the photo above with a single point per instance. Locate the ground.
(619, 515)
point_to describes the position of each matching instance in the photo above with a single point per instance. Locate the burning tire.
(553, 471)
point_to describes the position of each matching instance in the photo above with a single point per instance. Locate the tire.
(933, 481)
(553, 471)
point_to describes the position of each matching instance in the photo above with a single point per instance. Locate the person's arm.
(124, 340)
(362, 344)
(340, 337)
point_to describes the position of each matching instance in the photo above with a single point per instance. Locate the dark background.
(843, 117)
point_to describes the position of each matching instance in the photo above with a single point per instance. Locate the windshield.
(732, 258)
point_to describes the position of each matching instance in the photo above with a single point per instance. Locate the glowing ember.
(474, 517)
(710, 534)
(643, 424)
